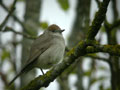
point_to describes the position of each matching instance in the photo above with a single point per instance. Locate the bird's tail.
(25, 69)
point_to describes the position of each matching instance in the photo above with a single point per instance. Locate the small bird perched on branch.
(46, 51)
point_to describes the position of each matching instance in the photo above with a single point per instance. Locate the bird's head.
(55, 29)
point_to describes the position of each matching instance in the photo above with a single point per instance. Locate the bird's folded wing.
(38, 48)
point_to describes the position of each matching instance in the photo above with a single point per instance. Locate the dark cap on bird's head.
(55, 28)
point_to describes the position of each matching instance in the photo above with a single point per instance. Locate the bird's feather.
(38, 47)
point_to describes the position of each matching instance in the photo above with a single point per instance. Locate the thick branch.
(98, 20)
(43, 81)
(79, 50)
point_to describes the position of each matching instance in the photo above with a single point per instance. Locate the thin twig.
(9, 14)
(112, 26)
(98, 2)
(115, 24)
(111, 49)
(15, 18)
(23, 34)
(97, 57)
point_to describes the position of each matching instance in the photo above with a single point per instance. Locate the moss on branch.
(79, 50)
(111, 49)
(43, 81)
(98, 20)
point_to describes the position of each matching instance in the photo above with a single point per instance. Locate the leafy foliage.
(5, 54)
(64, 4)
(43, 25)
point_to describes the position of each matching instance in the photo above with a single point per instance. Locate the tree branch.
(23, 34)
(98, 20)
(112, 26)
(15, 17)
(98, 2)
(97, 57)
(9, 14)
(79, 50)
(43, 81)
(111, 49)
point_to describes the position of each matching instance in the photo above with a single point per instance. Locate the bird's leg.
(42, 71)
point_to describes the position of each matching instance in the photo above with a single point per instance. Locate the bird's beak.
(62, 30)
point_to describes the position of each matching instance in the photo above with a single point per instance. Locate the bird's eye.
(53, 30)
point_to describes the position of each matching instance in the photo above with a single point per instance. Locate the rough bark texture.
(79, 50)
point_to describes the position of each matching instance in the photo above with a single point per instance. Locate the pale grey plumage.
(47, 50)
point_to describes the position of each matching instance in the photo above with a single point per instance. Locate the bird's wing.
(40, 45)
(28, 65)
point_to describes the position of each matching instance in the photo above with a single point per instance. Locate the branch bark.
(43, 81)
(79, 50)
(98, 20)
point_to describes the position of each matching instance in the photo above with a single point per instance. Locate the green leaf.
(94, 80)
(103, 29)
(88, 73)
(64, 4)
(102, 68)
(43, 25)
(5, 54)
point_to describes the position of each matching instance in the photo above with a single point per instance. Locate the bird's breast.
(53, 55)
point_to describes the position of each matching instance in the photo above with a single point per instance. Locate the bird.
(46, 51)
